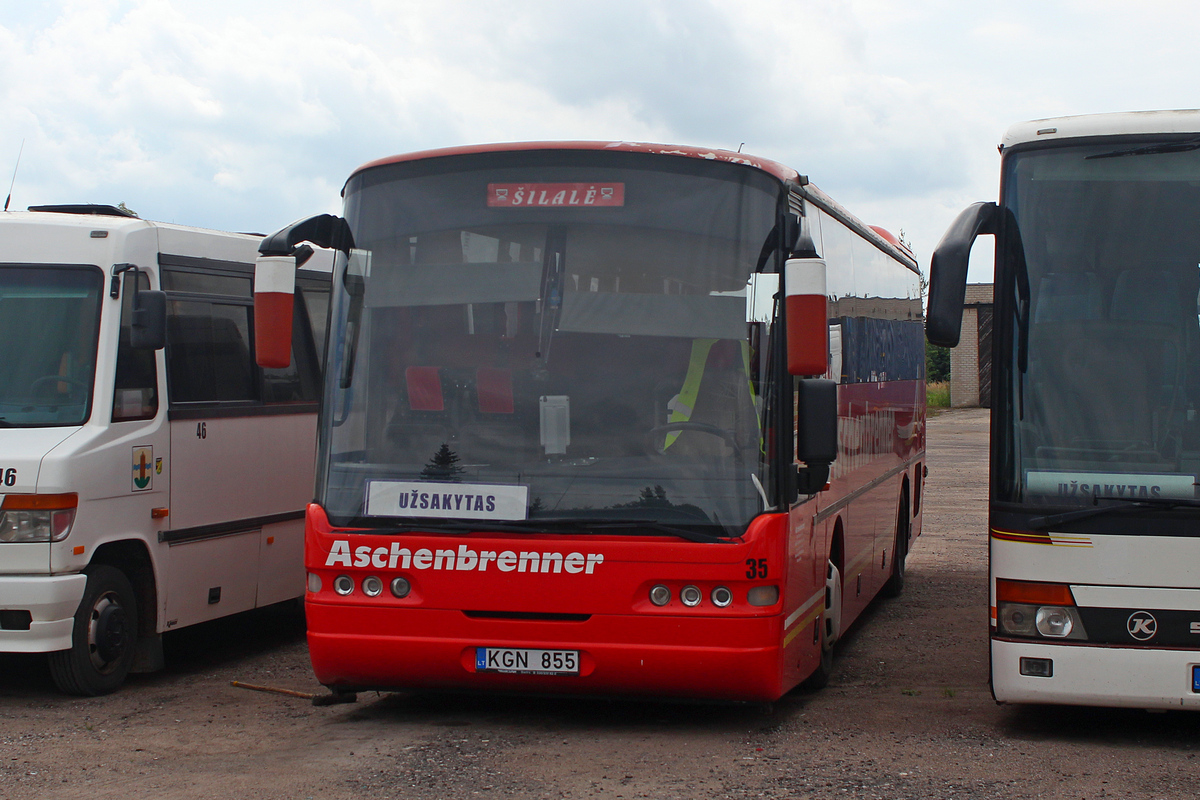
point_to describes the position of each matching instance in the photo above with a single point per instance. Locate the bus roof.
(708, 154)
(779, 171)
(1126, 122)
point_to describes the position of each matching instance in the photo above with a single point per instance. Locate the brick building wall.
(965, 361)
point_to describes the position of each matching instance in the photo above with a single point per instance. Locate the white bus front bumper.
(51, 601)
(1096, 676)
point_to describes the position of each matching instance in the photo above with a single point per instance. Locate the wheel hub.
(109, 632)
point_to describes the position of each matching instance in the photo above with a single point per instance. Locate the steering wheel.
(76, 385)
(656, 440)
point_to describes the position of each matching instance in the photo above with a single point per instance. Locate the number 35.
(756, 568)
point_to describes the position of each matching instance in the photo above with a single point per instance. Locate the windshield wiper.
(547, 526)
(659, 527)
(1152, 149)
(465, 526)
(1050, 520)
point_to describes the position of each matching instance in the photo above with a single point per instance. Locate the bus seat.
(494, 388)
(424, 388)
(1142, 296)
(1065, 296)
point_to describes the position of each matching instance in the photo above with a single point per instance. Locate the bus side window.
(300, 380)
(135, 392)
(315, 297)
(208, 355)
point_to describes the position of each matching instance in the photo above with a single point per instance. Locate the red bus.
(578, 435)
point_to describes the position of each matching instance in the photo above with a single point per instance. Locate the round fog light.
(721, 597)
(660, 595)
(690, 596)
(401, 587)
(372, 586)
(343, 585)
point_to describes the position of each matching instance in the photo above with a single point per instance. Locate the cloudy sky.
(247, 115)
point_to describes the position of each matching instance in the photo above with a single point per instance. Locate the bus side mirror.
(279, 256)
(948, 273)
(274, 289)
(816, 433)
(807, 322)
(148, 330)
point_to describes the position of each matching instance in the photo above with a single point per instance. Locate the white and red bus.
(573, 440)
(1094, 542)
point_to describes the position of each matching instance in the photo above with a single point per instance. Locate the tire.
(831, 623)
(103, 638)
(895, 582)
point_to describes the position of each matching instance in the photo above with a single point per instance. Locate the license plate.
(526, 661)
(1196, 678)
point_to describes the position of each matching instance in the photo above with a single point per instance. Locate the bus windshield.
(552, 340)
(49, 319)
(1098, 273)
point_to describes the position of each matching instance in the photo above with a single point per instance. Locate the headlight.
(1053, 621)
(1037, 609)
(37, 517)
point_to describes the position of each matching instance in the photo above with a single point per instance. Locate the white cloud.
(246, 115)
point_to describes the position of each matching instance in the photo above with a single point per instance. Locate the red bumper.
(420, 648)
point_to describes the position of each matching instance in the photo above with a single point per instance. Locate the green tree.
(443, 466)
(937, 363)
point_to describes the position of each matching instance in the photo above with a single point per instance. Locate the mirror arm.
(948, 272)
(324, 230)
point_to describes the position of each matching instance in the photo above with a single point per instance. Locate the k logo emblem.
(1142, 626)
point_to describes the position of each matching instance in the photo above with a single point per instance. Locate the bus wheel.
(831, 627)
(103, 638)
(895, 582)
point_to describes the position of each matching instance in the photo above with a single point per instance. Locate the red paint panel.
(626, 645)
(273, 329)
(807, 334)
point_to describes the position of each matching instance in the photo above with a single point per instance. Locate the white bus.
(1095, 454)
(143, 488)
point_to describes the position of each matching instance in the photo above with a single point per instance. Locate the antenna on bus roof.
(8, 199)
(740, 146)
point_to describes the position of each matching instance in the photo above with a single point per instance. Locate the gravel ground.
(908, 714)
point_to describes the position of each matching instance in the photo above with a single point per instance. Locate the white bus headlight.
(1037, 609)
(1054, 622)
(37, 517)
(1016, 619)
